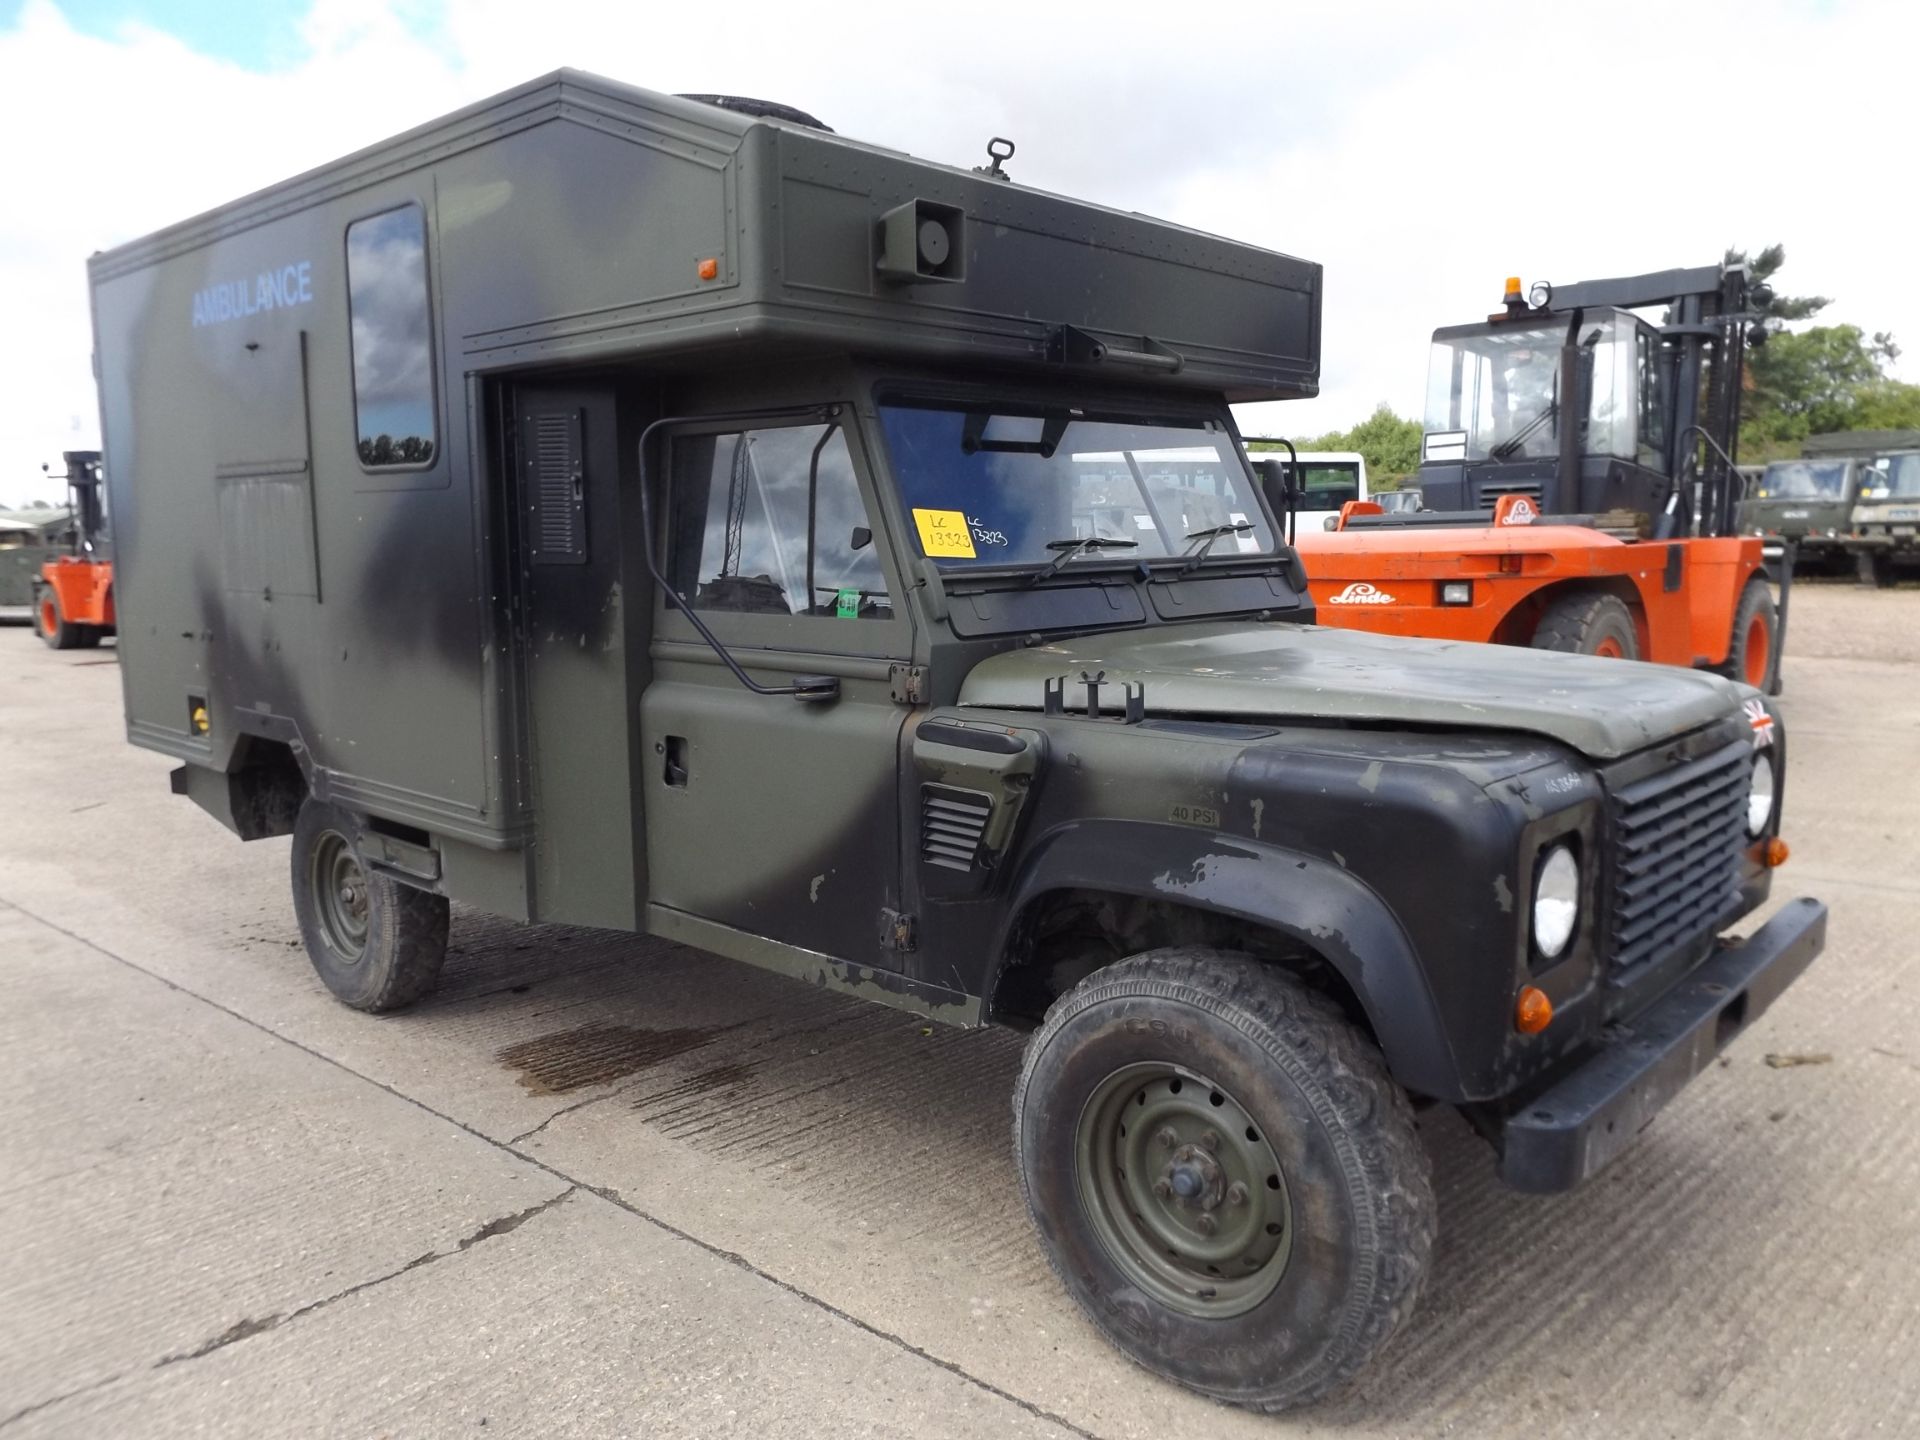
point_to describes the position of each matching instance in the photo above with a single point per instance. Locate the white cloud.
(1418, 152)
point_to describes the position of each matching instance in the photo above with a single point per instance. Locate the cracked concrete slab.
(585, 1322)
(171, 1171)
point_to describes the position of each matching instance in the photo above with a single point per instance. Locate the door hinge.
(898, 931)
(909, 684)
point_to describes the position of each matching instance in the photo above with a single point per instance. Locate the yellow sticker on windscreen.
(944, 534)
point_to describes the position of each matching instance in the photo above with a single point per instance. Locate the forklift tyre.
(1588, 623)
(377, 944)
(51, 625)
(1755, 626)
(1223, 1175)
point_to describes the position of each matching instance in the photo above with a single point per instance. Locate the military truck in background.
(1883, 532)
(27, 538)
(1805, 504)
(625, 510)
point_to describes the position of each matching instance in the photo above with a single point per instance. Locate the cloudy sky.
(1420, 151)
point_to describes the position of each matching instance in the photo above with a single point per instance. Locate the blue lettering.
(276, 289)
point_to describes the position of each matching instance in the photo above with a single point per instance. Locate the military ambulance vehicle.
(625, 510)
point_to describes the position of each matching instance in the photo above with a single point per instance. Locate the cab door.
(765, 815)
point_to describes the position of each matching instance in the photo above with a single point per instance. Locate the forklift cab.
(1495, 413)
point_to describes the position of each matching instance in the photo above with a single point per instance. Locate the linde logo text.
(1361, 593)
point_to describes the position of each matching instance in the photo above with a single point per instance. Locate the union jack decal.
(1761, 723)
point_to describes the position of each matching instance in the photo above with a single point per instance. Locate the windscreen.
(1802, 480)
(1500, 387)
(1006, 486)
(1893, 477)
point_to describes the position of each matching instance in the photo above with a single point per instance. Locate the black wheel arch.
(1326, 913)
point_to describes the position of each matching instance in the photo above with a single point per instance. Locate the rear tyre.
(375, 943)
(51, 624)
(1223, 1175)
(1755, 625)
(1588, 624)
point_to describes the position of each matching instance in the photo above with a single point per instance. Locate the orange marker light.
(1513, 288)
(1776, 853)
(1533, 1012)
(709, 269)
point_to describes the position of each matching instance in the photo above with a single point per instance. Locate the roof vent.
(763, 109)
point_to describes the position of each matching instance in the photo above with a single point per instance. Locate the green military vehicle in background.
(1884, 532)
(1804, 504)
(661, 513)
(28, 538)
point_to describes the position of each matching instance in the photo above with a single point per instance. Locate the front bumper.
(1883, 542)
(1578, 1123)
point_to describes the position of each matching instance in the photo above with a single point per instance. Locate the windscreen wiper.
(1511, 446)
(1207, 537)
(1070, 548)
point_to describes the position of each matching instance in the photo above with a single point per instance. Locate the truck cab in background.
(1803, 503)
(1883, 532)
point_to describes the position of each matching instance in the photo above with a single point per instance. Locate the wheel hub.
(1184, 1189)
(339, 889)
(1196, 1179)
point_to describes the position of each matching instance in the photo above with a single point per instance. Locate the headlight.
(1556, 901)
(1760, 796)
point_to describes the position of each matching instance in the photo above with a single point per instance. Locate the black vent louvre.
(951, 824)
(1490, 491)
(556, 487)
(1676, 862)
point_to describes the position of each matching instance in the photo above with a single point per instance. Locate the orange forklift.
(1579, 482)
(73, 598)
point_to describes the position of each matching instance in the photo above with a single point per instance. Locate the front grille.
(1677, 855)
(1490, 491)
(952, 821)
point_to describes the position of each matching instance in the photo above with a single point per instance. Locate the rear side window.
(392, 343)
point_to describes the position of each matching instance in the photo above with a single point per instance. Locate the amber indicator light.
(709, 269)
(1533, 1011)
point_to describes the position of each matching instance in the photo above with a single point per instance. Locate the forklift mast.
(1683, 381)
(85, 498)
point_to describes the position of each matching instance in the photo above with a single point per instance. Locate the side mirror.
(862, 537)
(1273, 473)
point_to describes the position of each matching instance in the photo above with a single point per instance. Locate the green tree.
(1390, 444)
(1815, 381)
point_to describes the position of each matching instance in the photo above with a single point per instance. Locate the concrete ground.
(600, 1185)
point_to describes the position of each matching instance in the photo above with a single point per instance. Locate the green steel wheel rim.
(1184, 1190)
(339, 888)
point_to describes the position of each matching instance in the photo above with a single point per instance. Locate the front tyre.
(50, 622)
(1588, 623)
(376, 944)
(1223, 1175)
(1751, 642)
